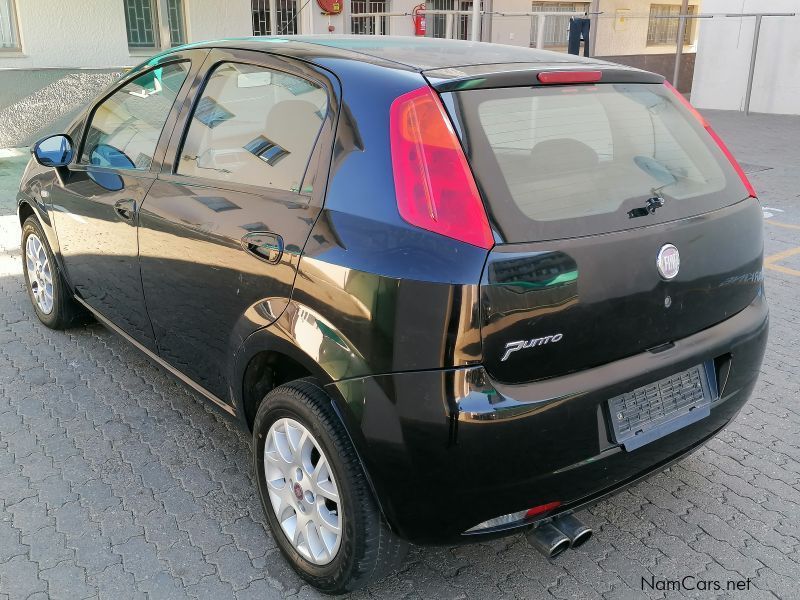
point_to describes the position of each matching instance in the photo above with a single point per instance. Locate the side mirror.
(53, 151)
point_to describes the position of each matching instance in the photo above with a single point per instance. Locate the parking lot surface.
(116, 481)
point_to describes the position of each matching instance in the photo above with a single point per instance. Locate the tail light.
(736, 166)
(433, 183)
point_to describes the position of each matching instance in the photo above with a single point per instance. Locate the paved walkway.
(118, 482)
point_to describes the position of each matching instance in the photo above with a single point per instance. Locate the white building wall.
(92, 34)
(215, 19)
(622, 28)
(723, 58)
(70, 33)
(512, 30)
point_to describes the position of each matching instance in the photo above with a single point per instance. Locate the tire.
(51, 299)
(367, 550)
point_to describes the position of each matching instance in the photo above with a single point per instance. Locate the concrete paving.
(118, 482)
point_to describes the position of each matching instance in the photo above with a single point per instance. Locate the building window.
(260, 11)
(662, 29)
(175, 20)
(9, 40)
(455, 25)
(286, 16)
(556, 27)
(368, 25)
(143, 22)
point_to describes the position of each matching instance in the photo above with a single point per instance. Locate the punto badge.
(668, 261)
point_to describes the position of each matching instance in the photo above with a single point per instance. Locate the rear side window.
(577, 160)
(253, 126)
(124, 129)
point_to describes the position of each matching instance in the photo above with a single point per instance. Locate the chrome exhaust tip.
(573, 528)
(547, 540)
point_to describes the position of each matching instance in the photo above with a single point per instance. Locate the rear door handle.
(264, 245)
(125, 208)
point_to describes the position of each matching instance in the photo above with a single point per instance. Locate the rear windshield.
(566, 161)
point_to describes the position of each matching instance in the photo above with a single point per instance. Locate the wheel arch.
(274, 346)
(267, 358)
(25, 210)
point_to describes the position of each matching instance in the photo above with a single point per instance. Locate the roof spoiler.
(472, 77)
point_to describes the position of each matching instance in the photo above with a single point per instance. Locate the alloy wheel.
(40, 273)
(303, 491)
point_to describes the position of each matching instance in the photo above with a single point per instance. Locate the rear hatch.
(585, 184)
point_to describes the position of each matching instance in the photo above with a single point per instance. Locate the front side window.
(8, 26)
(124, 129)
(253, 126)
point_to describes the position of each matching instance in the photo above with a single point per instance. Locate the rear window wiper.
(650, 207)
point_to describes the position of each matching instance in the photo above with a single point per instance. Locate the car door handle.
(264, 245)
(125, 208)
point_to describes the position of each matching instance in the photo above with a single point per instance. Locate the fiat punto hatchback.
(453, 289)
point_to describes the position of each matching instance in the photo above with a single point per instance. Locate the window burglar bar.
(284, 11)
(261, 20)
(175, 22)
(140, 21)
(446, 21)
(153, 24)
(663, 25)
(365, 18)
(557, 28)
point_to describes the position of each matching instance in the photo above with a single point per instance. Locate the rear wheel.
(50, 297)
(315, 495)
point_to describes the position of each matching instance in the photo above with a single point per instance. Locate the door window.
(253, 126)
(124, 129)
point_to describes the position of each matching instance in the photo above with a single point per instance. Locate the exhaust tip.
(559, 548)
(581, 538)
(548, 540)
(578, 532)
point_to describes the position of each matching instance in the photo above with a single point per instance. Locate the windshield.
(577, 160)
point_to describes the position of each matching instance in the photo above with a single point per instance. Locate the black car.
(453, 289)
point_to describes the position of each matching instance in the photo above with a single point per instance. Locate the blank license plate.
(655, 410)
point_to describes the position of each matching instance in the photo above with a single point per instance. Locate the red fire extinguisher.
(419, 19)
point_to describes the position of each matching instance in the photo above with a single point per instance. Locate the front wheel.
(52, 301)
(315, 495)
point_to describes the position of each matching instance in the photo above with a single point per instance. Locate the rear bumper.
(446, 450)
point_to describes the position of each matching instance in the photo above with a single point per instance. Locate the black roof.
(447, 64)
(410, 53)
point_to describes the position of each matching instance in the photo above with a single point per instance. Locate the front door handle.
(265, 245)
(125, 208)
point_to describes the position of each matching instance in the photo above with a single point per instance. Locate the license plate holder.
(652, 411)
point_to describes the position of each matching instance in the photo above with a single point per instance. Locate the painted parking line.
(770, 261)
(784, 225)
